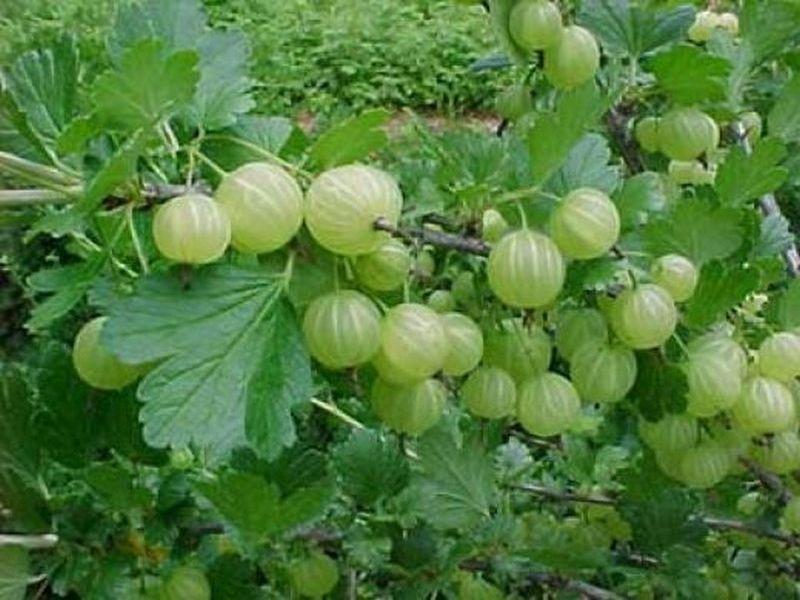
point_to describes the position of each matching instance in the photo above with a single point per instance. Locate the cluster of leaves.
(222, 457)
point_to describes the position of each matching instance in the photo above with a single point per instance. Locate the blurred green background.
(323, 57)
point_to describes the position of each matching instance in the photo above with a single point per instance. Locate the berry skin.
(465, 344)
(514, 102)
(573, 59)
(535, 24)
(715, 384)
(578, 326)
(386, 268)
(646, 133)
(672, 433)
(526, 269)
(343, 204)
(780, 453)
(494, 226)
(342, 329)
(409, 409)
(585, 224)
(644, 317)
(413, 344)
(519, 350)
(547, 404)
(677, 275)
(186, 583)
(442, 301)
(686, 133)
(96, 365)
(704, 466)
(490, 392)
(192, 229)
(765, 406)
(314, 576)
(779, 356)
(704, 24)
(264, 204)
(602, 372)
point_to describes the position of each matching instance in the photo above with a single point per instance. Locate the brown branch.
(769, 480)
(711, 522)
(433, 237)
(617, 123)
(768, 203)
(587, 590)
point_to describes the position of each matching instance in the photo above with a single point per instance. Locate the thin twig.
(576, 585)
(617, 122)
(711, 522)
(769, 206)
(433, 237)
(338, 413)
(769, 480)
(32, 542)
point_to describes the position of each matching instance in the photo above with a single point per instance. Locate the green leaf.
(351, 140)
(696, 230)
(371, 467)
(277, 135)
(784, 118)
(770, 28)
(784, 308)
(232, 578)
(119, 169)
(567, 545)
(634, 30)
(19, 451)
(116, 487)
(16, 135)
(641, 194)
(218, 341)
(14, 572)
(659, 512)
(282, 382)
(126, 99)
(689, 75)
(178, 24)
(660, 386)
(223, 91)
(744, 177)
(68, 284)
(586, 166)
(775, 237)
(254, 507)
(719, 289)
(555, 134)
(44, 84)
(455, 485)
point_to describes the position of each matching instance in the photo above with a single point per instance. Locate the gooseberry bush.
(556, 360)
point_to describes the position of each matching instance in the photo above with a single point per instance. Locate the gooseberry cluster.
(706, 21)
(684, 135)
(502, 368)
(570, 53)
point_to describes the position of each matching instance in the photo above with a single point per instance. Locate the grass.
(325, 57)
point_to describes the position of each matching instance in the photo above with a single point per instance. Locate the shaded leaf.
(625, 28)
(555, 134)
(689, 75)
(277, 135)
(719, 289)
(744, 177)
(775, 236)
(126, 99)
(351, 140)
(14, 572)
(696, 230)
(455, 485)
(641, 194)
(218, 342)
(784, 308)
(660, 386)
(371, 467)
(784, 118)
(586, 166)
(254, 507)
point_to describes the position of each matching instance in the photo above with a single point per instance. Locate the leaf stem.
(261, 151)
(32, 542)
(31, 197)
(137, 244)
(214, 166)
(338, 413)
(36, 172)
